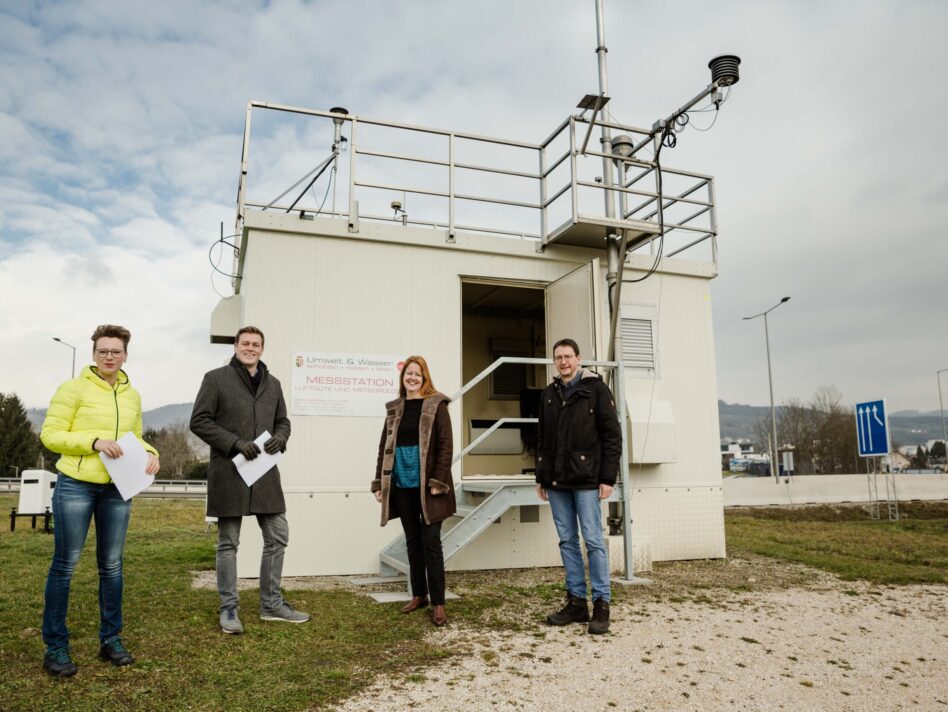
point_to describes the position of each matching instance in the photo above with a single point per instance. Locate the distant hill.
(158, 418)
(909, 427)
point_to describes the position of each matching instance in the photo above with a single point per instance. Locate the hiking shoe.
(600, 620)
(285, 613)
(114, 651)
(576, 610)
(58, 663)
(230, 623)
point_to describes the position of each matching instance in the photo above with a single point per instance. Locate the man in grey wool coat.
(235, 405)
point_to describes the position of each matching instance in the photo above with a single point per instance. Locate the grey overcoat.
(225, 411)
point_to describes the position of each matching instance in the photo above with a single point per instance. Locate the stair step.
(464, 510)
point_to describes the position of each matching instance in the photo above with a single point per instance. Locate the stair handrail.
(521, 359)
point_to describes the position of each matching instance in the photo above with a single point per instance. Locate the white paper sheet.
(253, 470)
(128, 471)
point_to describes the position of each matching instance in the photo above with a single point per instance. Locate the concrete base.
(634, 581)
(399, 596)
(375, 580)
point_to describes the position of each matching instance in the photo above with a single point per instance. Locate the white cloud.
(120, 130)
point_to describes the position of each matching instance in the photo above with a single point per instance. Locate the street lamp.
(941, 404)
(773, 412)
(56, 338)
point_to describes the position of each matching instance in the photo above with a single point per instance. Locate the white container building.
(466, 249)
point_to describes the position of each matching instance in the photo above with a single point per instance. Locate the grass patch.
(183, 661)
(843, 541)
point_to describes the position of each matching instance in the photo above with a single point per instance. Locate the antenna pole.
(604, 91)
(612, 240)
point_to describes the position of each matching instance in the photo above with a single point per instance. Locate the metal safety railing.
(693, 197)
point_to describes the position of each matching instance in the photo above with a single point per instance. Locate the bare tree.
(835, 449)
(796, 429)
(175, 446)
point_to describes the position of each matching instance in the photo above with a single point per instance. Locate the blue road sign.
(872, 428)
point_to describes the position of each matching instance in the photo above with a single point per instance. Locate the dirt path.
(823, 645)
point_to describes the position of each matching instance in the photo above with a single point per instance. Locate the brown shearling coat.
(436, 451)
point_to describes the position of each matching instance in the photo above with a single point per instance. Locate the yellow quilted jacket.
(84, 409)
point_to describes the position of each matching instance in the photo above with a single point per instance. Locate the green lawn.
(843, 541)
(184, 662)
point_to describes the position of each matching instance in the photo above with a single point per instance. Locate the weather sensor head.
(723, 70)
(622, 145)
(338, 110)
(396, 205)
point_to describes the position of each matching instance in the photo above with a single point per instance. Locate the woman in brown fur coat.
(413, 480)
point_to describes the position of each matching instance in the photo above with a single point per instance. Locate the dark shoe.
(576, 610)
(113, 651)
(438, 616)
(600, 619)
(415, 603)
(58, 663)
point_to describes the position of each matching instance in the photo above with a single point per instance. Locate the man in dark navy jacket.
(579, 445)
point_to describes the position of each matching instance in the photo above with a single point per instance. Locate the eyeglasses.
(114, 353)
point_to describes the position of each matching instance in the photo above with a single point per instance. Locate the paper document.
(253, 470)
(128, 471)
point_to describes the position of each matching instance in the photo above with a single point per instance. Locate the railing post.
(451, 237)
(353, 205)
(543, 227)
(572, 167)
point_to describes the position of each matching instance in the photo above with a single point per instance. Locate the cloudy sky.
(121, 122)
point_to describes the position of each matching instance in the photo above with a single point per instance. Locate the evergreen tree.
(19, 445)
(938, 450)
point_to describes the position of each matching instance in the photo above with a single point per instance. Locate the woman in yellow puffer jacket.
(86, 417)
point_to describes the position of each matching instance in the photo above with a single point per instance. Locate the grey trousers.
(276, 535)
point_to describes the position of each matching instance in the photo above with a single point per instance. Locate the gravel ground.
(743, 633)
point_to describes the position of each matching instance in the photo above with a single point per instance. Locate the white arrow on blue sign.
(872, 428)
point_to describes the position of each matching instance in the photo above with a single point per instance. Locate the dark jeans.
(425, 557)
(75, 504)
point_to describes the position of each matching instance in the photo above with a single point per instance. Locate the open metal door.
(573, 311)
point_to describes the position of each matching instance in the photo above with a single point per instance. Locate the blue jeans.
(75, 504)
(582, 505)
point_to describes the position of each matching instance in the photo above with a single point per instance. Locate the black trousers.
(425, 557)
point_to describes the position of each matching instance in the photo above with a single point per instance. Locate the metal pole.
(612, 242)
(57, 339)
(941, 405)
(604, 91)
(773, 412)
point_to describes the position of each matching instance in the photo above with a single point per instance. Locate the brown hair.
(427, 387)
(567, 342)
(250, 330)
(111, 331)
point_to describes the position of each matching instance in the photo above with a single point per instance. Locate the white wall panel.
(389, 289)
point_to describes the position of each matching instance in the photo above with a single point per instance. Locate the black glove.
(248, 449)
(275, 444)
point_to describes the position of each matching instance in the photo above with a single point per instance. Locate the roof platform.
(592, 231)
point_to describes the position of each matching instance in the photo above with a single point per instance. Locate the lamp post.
(57, 339)
(941, 405)
(775, 468)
